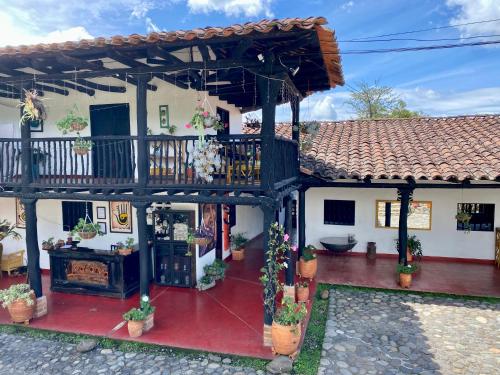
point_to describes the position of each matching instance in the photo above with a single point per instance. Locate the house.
(133, 170)
(356, 173)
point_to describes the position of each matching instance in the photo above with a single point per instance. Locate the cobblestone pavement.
(392, 333)
(29, 356)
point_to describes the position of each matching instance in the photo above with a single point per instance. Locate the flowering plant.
(203, 119)
(206, 158)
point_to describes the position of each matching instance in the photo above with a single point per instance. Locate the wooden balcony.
(113, 164)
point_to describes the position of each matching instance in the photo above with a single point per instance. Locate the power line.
(422, 30)
(418, 40)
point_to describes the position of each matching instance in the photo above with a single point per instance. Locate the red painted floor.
(226, 319)
(433, 276)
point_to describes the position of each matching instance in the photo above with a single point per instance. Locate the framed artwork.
(208, 226)
(101, 213)
(103, 227)
(120, 214)
(20, 214)
(164, 117)
(36, 126)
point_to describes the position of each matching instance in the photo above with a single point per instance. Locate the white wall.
(249, 220)
(442, 240)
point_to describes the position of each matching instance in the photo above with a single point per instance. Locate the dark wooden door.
(224, 117)
(173, 264)
(111, 158)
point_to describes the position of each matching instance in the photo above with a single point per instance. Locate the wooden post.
(302, 221)
(290, 272)
(144, 259)
(269, 217)
(295, 104)
(142, 130)
(26, 163)
(33, 253)
(219, 242)
(404, 194)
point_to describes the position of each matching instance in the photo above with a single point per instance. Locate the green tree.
(375, 101)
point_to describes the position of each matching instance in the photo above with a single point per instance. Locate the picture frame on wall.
(164, 117)
(120, 216)
(101, 213)
(20, 214)
(103, 227)
(36, 126)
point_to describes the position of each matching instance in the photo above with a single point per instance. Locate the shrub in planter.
(206, 282)
(413, 248)
(302, 291)
(86, 230)
(286, 328)
(125, 248)
(82, 146)
(135, 321)
(405, 274)
(217, 270)
(72, 122)
(308, 263)
(149, 313)
(197, 238)
(48, 244)
(19, 300)
(238, 240)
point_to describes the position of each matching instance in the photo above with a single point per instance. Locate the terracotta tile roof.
(328, 44)
(440, 148)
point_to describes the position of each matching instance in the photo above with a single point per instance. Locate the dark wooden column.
(219, 242)
(302, 221)
(290, 271)
(295, 105)
(269, 217)
(26, 164)
(144, 258)
(404, 195)
(33, 252)
(142, 129)
(268, 92)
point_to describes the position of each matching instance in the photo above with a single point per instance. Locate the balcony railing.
(113, 162)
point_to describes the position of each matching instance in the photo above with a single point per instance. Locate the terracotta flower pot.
(201, 241)
(87, 235)
(302, 294)
(409, 255)
(78, 126)
(308, 269)
(285, 339)
(82, 151)
(238, 254)
(20, 311)
(124, 252)
(135, 327)
(149, 322)
(405, 280)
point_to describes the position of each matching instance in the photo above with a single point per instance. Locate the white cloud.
(151, 26)
(474, 11)
(347, 6)
(249, 8)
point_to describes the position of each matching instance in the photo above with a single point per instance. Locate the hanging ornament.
(33, 108)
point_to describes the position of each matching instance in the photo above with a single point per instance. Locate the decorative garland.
(206, 158)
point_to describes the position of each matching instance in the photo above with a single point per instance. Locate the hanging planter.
(464, 218)
(81, 146)
(72, 122)
(196, 238)
(86, 230)
(206, 159)
(203, 118)
(32, 107)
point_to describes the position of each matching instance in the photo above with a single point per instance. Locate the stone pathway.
(390, 333)
(29, 356)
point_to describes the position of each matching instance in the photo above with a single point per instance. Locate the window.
(339, 212)
(387, 214)
(72, 212)
(483, 216)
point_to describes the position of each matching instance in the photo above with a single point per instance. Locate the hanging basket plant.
(32, 108)
(82, 146)
(206, 159)
(464, 218)
(86, 230)
(72, 122)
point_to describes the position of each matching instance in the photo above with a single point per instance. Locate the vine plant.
(275, 261)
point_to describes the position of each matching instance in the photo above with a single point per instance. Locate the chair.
(12, 261)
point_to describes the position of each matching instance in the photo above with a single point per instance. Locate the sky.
(439, 83)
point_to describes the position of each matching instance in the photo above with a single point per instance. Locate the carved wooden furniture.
(99, 272)
(12, 261)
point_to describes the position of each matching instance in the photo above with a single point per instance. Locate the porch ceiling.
(222, 60)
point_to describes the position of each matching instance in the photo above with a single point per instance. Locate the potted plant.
(86, 230)
(7, 230)
(203, 119)
(48, 244)
(464, 218)
(308, 263)
(32, 108)
(197, 238)
(206, 282)
(238, 240)
(135, 321)
(302, 291)
(60, 243)
(72, 122)
(405, 273)
(125, 248)
(19, 300)
(82, 146)
(413, 248)
(286, 328)
(216, 270)
(149, 313)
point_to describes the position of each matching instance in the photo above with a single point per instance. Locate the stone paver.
(29, 356)
(388, 333)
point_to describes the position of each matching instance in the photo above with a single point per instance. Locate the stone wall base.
(267, 335)
(40, 307)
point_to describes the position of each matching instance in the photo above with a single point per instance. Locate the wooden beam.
(99, 86)
(241, 48)
(204, 52)
(55, 90)
(78, 63)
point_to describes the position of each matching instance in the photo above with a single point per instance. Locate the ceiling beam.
(78, 63)
(55, 90)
